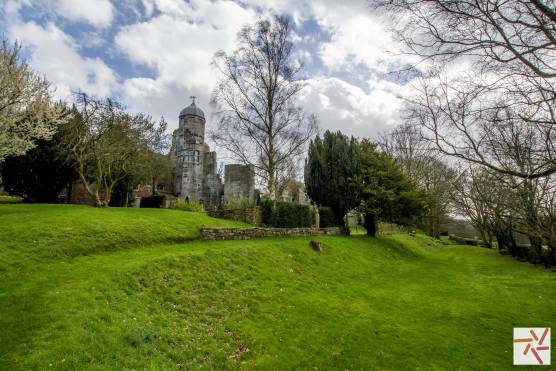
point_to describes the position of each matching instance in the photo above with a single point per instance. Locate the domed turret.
(192, 110)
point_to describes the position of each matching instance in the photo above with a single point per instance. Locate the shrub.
(152, 202)
(237, 203)
(285, 214)
(187, 205)
(327, 218)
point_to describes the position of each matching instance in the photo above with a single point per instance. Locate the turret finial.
(193, 98)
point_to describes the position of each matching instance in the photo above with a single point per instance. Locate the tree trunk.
(108, 194)
(551, 260)
(487, 240)
(370, 224)
(436, 228)
(535, 252)
(70, 190)
(271, 183)
(126, 202)
(94, 194)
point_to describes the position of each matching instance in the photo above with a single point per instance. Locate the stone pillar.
(317, 217)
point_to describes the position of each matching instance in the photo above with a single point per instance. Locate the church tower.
(196, 167)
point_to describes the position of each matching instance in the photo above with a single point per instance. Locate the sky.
(152, 55)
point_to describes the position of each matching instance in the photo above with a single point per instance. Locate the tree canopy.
(345, 175)
(386, 193)
(331, 167)
(108, 144)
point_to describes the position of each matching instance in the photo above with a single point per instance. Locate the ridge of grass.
(45, 231)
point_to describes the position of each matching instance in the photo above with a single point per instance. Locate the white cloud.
(54, 54)
(149, 7)
(358, 41)
(99, 13)
(178, 45)
(179, 42)
(346, 107)
(357, 36)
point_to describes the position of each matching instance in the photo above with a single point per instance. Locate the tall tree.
(26, 110)
(331, 170)
(260, 123)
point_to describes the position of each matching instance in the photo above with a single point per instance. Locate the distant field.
(85, 288)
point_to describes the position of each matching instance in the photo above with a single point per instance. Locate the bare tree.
(469, 120)
(505, 207)
(27, 113)
(472, 198)
(413, 153)
(511, 47)
(421, 162)
(106, 144)
(517, 35)
(259, 122)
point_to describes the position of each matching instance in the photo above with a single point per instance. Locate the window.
(191, 156)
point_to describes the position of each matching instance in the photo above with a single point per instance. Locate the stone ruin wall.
(239, 182)
(212, 234)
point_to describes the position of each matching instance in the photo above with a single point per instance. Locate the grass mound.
(51, 231)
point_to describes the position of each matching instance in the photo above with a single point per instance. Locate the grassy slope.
(54, 231)
(393, 303)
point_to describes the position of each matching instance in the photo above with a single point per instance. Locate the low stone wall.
(250, 233)
(250, 215)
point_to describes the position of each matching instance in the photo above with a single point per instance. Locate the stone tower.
(239, 182)
(196, 166)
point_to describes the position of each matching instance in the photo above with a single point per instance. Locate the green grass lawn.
(5, 199)
(85, 288)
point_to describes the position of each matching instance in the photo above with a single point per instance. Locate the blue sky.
(153, 54)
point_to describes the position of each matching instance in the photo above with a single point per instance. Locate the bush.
(39, 175)
(285, 214)
(237, 203)
(152, 202)
(327, 218)
(186, 205)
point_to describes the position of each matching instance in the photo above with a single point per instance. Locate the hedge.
(285, 214)
(326, 217)
(152, 201)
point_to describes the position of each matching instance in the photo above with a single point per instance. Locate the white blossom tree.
(27, 113)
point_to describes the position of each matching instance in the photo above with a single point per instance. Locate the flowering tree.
(26, 110)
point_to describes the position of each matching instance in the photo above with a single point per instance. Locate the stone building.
(196, 175)
(239, 182)
(292, 190)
